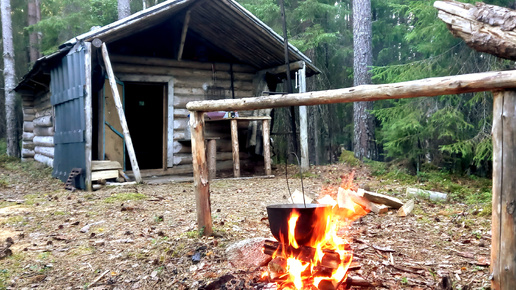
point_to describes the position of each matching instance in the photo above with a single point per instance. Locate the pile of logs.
(38, 130)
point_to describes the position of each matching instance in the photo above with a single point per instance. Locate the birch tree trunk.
(34, 16)
(364, 144)
(124, 8)
(10, 96)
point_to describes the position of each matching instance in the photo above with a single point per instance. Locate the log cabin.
(161, 58)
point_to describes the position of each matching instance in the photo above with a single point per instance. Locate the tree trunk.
(10, 96)
(34, 16)
(364, 144)
(485, 28)
(124, 8)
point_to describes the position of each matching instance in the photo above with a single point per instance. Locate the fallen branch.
(98, 278)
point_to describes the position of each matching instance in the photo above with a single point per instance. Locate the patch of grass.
(467, 189)
(126, 196)
(33, 198)
(306, 175)
(14, 220)
(193, 234)
(348, 157)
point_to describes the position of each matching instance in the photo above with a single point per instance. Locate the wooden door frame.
(168, 111)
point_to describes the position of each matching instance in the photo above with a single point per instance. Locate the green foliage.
(64, 19)
(348, 157)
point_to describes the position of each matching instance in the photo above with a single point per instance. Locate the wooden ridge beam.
(429, 87)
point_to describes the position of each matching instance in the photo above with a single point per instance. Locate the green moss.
(348, 157)
(119, 197)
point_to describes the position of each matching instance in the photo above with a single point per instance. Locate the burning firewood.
(331, 259)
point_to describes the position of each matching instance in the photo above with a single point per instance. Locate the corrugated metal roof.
(224, 23)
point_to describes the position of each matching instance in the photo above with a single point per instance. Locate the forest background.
(449, 133)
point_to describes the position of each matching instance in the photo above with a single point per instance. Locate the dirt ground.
(145, 236)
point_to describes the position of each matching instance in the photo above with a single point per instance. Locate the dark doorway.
(144, 103)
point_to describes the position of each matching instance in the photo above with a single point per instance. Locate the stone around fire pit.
(247, 253)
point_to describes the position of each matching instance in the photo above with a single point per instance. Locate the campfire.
(311, 250)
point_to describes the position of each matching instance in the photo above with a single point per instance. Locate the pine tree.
(364, 144)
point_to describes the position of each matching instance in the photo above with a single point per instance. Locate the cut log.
(467, 83)
(43, 121)
(406, 208)
(44, 159)
(45, 141)
(428, 194)
(105, 174)
(27, 136)
(383, 199)
(484, 27)
(28, 126)
(330, 259)
(379, 208)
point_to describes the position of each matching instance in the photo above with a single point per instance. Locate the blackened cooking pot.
(310, 226)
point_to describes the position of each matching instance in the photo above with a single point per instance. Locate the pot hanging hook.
(301, 176)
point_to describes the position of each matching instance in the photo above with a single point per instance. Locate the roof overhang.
(224, 23)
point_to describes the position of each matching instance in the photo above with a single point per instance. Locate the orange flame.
(324, 240)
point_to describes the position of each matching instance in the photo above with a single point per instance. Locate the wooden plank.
(183, 35)
(266, 146)
(383, 199)
(88, 111)
(113, 139)
(128, 140)
(98, 165)
(200, 171)
(235, 150)
(104, 174)
(429, 87)
(497, 203)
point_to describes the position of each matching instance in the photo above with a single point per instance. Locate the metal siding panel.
(67, 85)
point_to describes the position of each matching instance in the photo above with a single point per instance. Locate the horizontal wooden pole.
(429, 87)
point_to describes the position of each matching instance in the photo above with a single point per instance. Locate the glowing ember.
(298, 274)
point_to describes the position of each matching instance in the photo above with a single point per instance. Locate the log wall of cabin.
(192, 81)
(38, 129)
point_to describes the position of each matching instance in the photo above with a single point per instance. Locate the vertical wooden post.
(88, 112)
(303, 122)
(266, 146)
(503, 248)
(236, 154)
(212, 158)
(200, 171)
(121, 115)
